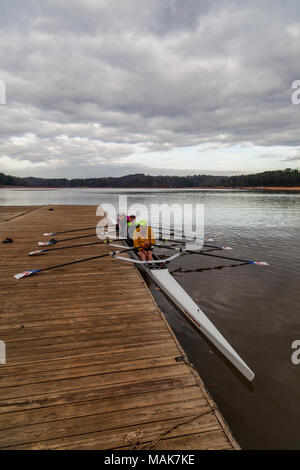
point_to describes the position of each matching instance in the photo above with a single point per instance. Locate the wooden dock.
(90, 359)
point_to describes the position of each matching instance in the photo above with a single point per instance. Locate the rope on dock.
(133, 438)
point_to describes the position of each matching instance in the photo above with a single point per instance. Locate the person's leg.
(141, 255)
(149, 255)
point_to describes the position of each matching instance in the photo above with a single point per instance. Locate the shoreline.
(244, 188)
(271, 188)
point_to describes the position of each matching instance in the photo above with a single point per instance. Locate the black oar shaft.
(187, 241)
(74, 230)
(73, 246)
(223, 257)
(76, 238)
(169, 230)
(171, 240)
(78, 230)
(82, 260)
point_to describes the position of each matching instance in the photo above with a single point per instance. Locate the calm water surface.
(256, 308)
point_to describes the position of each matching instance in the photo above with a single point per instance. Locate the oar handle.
(72, 246)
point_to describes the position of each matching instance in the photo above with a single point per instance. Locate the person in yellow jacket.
(143, 239)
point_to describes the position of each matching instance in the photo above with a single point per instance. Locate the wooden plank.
(84, 371)
(115, 438)
(37, 327)
(89, 357)
(84, 329)
(98, 422)
(105, 405)
(8, 213)
(120, 390)
(94, 380)
(106, 308)
(212, 440)
(81, 351)
(37, 353)
(74, 336)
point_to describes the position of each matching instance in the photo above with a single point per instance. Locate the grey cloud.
(153, 74)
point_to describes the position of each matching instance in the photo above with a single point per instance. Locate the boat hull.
(186, 305)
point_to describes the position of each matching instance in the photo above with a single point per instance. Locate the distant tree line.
(288, 177)
(285, 178)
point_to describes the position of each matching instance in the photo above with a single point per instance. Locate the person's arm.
(137, 240)
(151, 239)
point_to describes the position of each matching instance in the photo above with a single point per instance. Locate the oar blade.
(226, 248)
(36, 252)
(49, 234)
(46, 243)
(259, 263)
(26, 274)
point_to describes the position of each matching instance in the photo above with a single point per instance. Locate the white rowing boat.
(162, 277)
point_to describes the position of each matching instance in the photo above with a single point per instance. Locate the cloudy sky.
(112, 87)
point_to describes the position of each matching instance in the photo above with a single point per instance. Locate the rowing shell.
(185, 303)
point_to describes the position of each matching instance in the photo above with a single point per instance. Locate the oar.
(258, 263)
(184, 241)
(54, 241)
(48, 250)
(67, 231)
(35, 271)
(74, 230)
(51, 234)
(172, 231)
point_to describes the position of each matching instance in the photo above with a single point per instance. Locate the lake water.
(256, 308)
